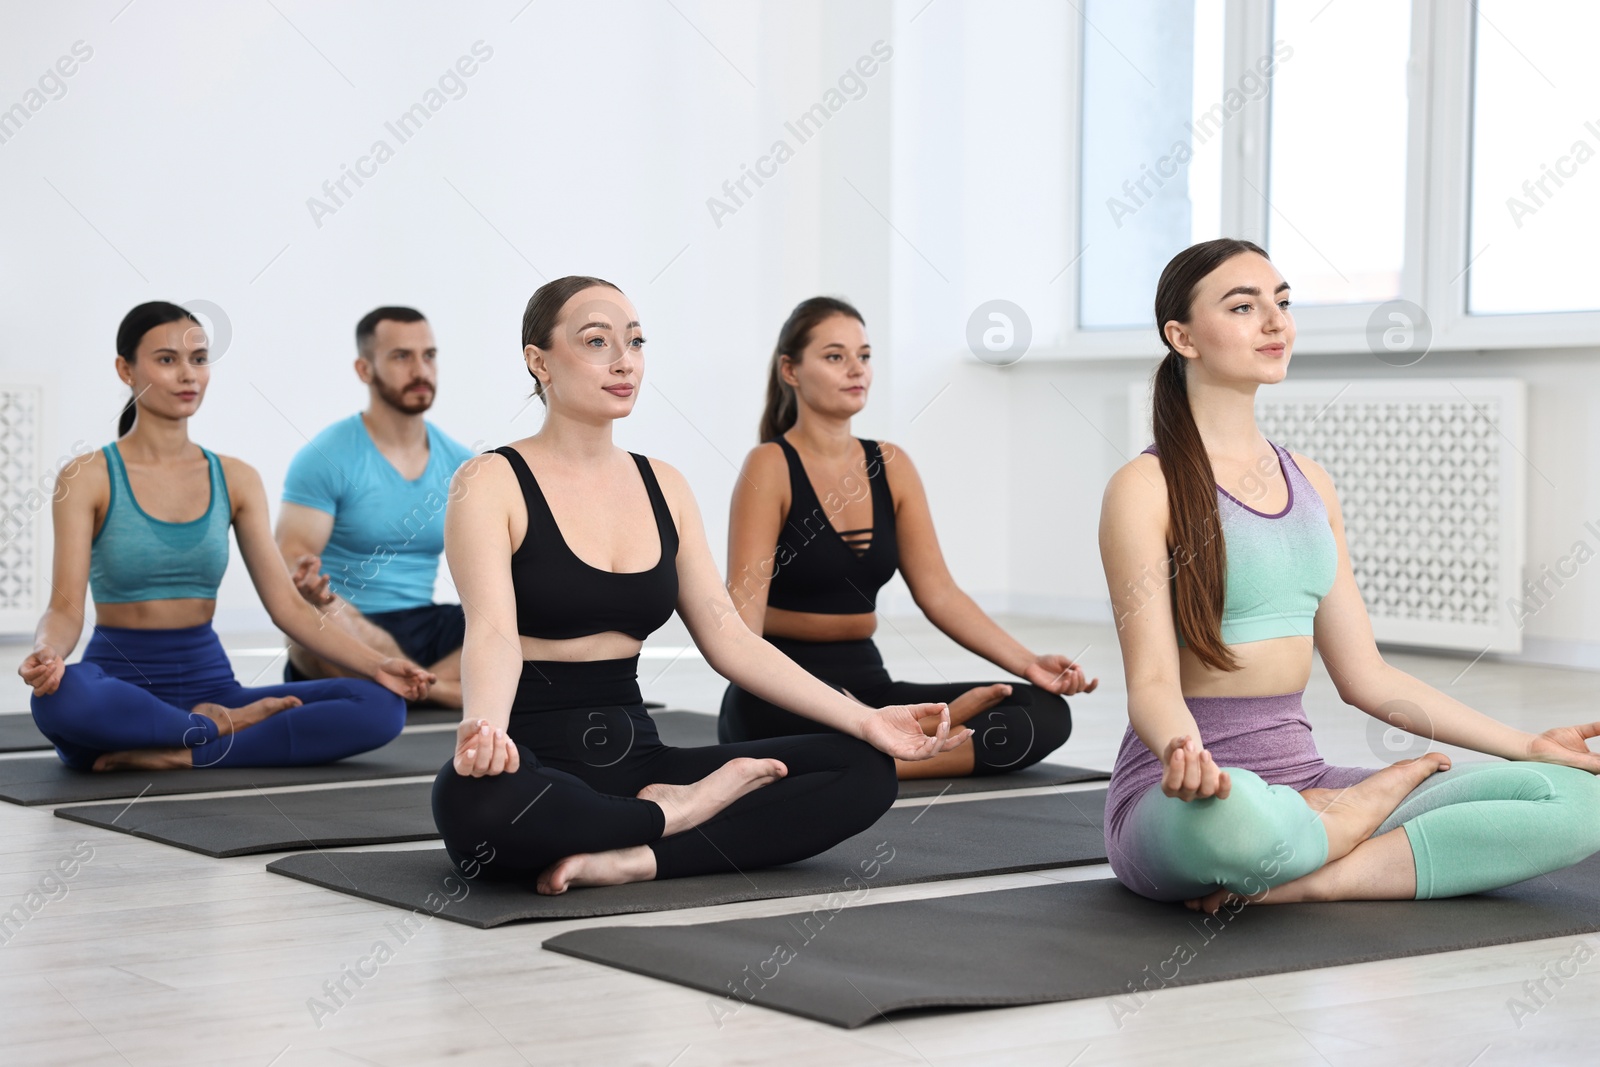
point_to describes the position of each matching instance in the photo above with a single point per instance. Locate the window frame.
(1435, 269)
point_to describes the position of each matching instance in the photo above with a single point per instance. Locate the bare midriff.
(611, 644)
(1267, 668)
(814, 626)
(175, 614)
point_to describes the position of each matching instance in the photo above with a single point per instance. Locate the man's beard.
(407, 403)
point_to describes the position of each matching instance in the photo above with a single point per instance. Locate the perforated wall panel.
(24, 505)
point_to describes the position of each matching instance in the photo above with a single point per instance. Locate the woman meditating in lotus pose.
(1218, 790)
(820, 520)
(568, 552)
(143, 523)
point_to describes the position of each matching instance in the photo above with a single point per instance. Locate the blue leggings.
(134, 690)
(1474, 827)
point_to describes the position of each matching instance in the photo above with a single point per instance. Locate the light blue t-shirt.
(388, 532)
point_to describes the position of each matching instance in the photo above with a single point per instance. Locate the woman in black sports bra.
(820, 521)
(559, 777)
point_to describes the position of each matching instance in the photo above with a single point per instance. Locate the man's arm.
(302, 534)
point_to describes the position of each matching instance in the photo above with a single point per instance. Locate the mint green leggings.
(1477, 826)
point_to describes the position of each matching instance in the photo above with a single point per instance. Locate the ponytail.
(1199, 554)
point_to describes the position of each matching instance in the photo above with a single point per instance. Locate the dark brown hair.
(781, 410)
(367, 328)
(1199, 556)
(135, 324)
(544, 312)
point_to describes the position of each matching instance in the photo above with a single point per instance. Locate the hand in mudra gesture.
(1189, 772)
(1055, 673)
(482, 749)
(399, 675)
(311, 583)
(43, 669)
(897, 730)
(1567, 746)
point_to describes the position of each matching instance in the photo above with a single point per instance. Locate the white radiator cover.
(1432, 481)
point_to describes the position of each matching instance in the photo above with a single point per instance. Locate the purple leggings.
(1265, 735)
(1474, 827)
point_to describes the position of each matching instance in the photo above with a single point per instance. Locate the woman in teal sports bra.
(154, 689)
(1226, 560)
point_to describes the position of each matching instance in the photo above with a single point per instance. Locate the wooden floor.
(154, 955)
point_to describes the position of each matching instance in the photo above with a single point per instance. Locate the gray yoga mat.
(691, 729)
(18, 734)
(254, 823)
(332, 818)
(850, 965)
(44, 779)
(273, 822)
(431, 716)
(923, 844)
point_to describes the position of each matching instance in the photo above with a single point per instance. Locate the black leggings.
(1018, 732)
(588, 746)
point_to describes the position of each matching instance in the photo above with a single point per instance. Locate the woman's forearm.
(1399, 699)
(1159, 717)
(58, 630)
(752, 610)
(490, 670)
(964, 622)
(308, 627)
(755, 666)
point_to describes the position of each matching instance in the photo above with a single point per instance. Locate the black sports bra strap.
(797, 470)
(530, 487)
(540, 519)
(658, 504)
(874, 457)
(882, 495)
(802, 497)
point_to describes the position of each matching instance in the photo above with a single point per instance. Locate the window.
(1535, 203)
(1152, 148)
(1337, 149)
(1430, 161)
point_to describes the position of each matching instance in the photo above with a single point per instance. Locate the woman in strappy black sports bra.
(559, 777)
(820, 521)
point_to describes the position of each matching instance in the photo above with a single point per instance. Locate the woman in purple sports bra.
(1226, 560)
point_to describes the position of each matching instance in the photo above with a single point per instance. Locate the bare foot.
(145, 759)
(617, 867)
(972, 702)
(232, 720)
(446, 693)
(1294, 892)
(1212, 902)
(1351, 815)
(687, 806)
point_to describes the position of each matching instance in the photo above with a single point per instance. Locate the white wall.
(179, 161)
